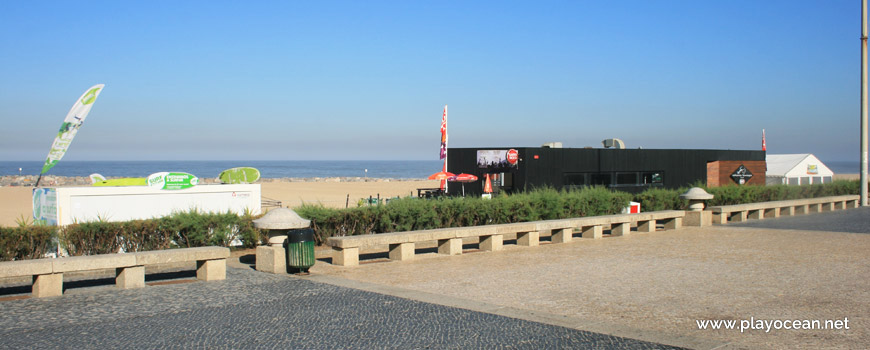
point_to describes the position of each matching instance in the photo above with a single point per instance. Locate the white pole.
(863, 103)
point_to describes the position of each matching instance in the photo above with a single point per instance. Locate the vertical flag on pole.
(763, 141)
(444, 145)
(71, 124)
(444, 135)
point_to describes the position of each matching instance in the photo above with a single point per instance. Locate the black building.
(630, 170)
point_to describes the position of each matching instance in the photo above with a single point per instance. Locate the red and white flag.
(763, 141)
(444, 134)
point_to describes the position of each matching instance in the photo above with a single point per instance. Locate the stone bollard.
(696, 215)
(272, 257)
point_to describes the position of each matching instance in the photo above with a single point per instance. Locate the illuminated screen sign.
(497, 159)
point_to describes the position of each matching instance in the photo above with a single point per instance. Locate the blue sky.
(336, 80)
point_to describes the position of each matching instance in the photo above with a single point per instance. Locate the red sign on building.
(513, 156)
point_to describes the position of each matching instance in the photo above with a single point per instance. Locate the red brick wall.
(719, 172)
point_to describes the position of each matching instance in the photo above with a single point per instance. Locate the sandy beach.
(336, 194)
(15, 201)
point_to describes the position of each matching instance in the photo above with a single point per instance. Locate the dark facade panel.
(616, 168)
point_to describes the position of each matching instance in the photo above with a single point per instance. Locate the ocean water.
(844, 167)
(388, 169)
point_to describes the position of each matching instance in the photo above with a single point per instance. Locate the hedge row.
(193, 229)
(408, 214)
(412, 214)
(25, 242)
(185, 229)
(662, 199)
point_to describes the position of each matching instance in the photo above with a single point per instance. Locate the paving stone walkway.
(852, 221)
(400, 305)
(657, 286)
(257, 310)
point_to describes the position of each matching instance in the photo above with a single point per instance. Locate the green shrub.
(247, 233)
(661, 199)
(194, 229)
(181, 229)
(408, 214)
(664, 199)
(25, 242)
(144, 235)
(89, 238)
(728, 195)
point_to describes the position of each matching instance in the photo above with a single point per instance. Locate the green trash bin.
(300, 250)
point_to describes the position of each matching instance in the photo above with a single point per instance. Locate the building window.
(619, 179)
(600, 179)
(827, 179)
(817, 179)
(626, 178)
(507, 180)
(652, 178)
(575, 179)
(793, 181)
(805, 181)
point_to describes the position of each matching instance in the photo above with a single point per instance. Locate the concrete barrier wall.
(402, 245)
(129, 267)
(758, 211)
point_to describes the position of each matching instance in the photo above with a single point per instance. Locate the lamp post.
(863, 103)
(272, 257)
(696, 216)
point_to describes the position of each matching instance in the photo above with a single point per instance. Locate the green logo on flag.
(90, 96)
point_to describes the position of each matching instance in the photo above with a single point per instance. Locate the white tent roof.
(795, 165)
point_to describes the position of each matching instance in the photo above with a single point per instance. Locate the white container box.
(66, 205)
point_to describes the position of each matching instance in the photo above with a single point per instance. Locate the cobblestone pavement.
(257, 310)
(642, 286)
(852, 220)
(657, 286)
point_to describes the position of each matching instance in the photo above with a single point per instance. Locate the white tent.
(797, 169)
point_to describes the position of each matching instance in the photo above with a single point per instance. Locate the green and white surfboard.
(171, 180)
(240, 175)
(128, 181)
(96, 178)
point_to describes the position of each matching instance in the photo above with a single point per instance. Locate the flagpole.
(863, 131)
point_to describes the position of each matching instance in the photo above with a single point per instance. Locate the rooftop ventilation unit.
(613, 143)
(552, 145)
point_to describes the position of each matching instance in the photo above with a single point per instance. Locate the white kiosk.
(66, 205)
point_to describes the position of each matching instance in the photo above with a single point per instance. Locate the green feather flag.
(71, 124)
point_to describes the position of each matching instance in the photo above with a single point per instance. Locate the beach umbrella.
(462, 178)
(441, 175)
